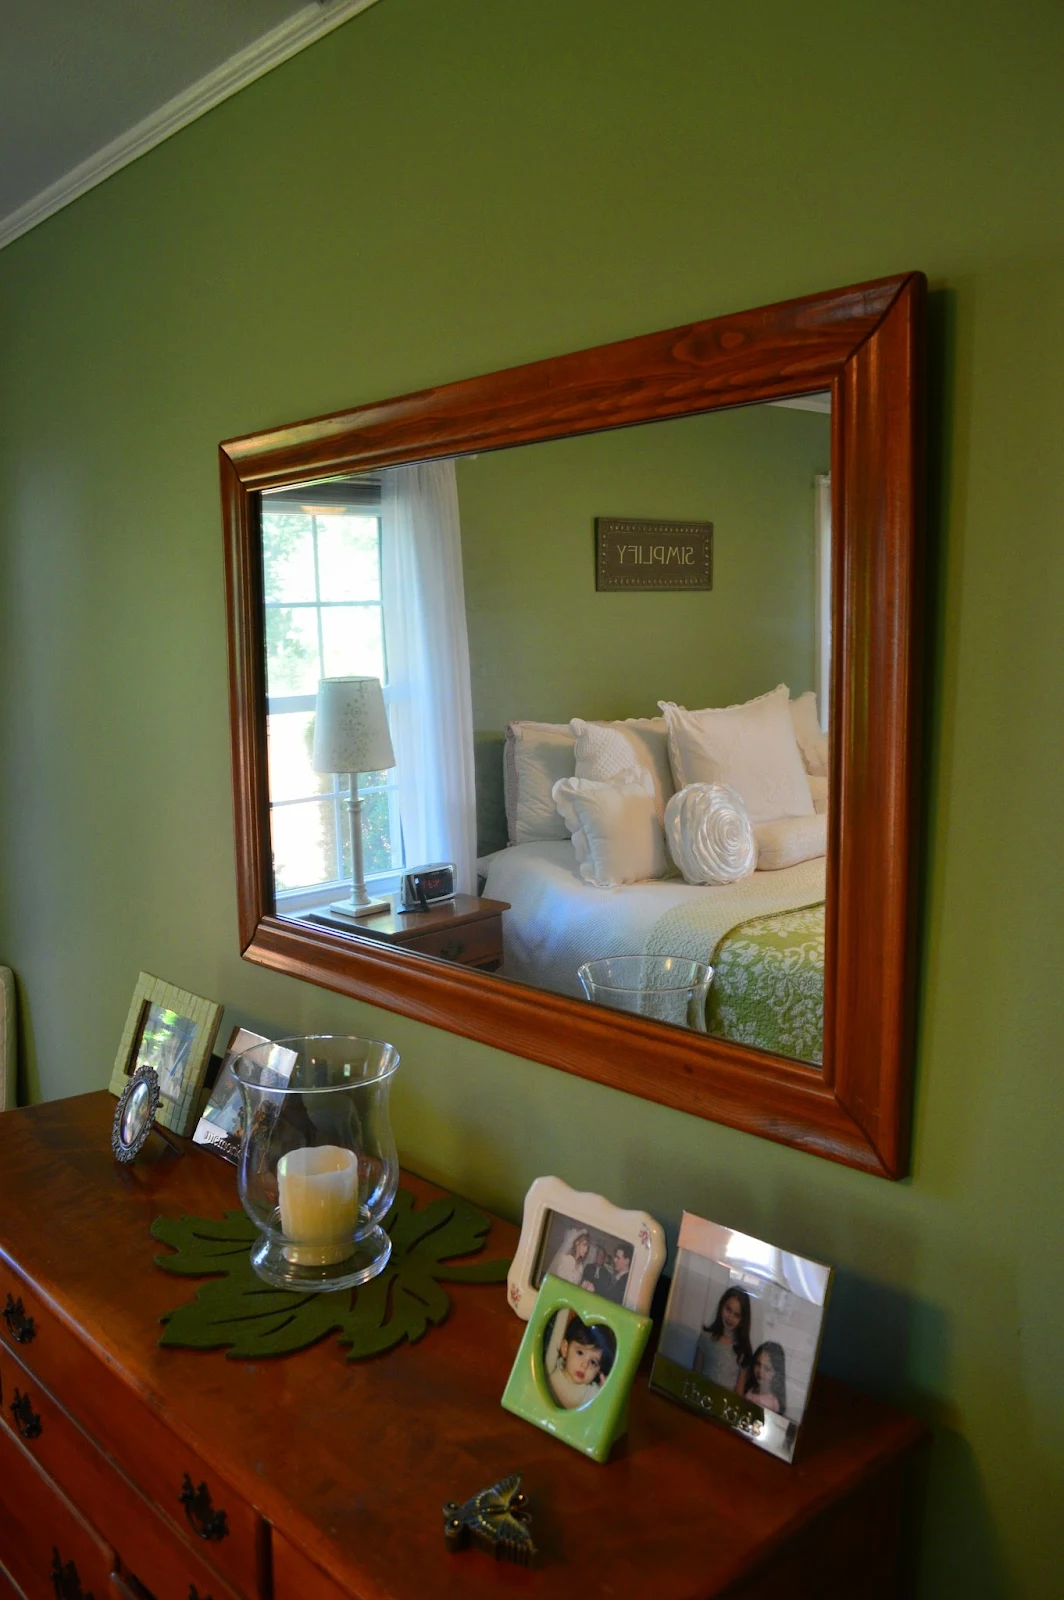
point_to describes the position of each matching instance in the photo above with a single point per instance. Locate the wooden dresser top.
(352, 1461)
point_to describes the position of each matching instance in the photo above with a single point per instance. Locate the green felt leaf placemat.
(237, 1310)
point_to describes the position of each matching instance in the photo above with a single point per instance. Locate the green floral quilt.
(768, 984)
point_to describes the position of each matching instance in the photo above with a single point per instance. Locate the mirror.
(546, 644)
(734, 422)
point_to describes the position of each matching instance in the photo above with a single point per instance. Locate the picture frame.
(220, 1123)
(173, 1031)
(742, 1333)
(555, 1216)
(575, 1366)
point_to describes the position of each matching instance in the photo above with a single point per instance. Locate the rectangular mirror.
(544, 646)
(438, 554)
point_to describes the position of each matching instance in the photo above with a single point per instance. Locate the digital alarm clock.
(423, 887)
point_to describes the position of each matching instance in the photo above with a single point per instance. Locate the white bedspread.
(556, 921)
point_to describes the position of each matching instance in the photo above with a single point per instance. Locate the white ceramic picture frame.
(556, 1218)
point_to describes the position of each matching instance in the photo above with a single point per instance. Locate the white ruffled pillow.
(790, 840)
(751, 748)
(615, 829)
(818, 788)
(606, 749)
(709, 834)
(812, 741)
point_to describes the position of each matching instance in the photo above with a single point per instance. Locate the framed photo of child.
(574, 1370)
(742, 1333)
(585, 1241)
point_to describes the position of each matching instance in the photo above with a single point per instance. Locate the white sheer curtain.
(429, 700)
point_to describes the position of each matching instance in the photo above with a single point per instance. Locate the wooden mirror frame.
(865, 344)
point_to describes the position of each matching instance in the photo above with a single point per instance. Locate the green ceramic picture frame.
(602, 1359)
(174, 1032)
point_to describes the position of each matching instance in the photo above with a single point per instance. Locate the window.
(321, 550)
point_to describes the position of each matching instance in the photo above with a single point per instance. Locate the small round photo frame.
(135, 1115)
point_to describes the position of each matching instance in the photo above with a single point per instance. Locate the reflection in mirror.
(467, 588)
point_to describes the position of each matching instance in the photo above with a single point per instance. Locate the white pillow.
(750, 747)
(812, 741)
(604, 749)
(536, 756)
(818, 788)
(790, 840)
(616, 833)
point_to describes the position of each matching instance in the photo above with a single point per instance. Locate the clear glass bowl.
(318, 1166)
(663, 988)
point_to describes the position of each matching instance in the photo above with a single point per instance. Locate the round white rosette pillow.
(709, 834)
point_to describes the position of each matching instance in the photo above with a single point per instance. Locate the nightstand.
(466, 929)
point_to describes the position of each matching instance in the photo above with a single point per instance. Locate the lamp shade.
(351, 727)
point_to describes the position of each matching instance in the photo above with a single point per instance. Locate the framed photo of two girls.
(742, 1332)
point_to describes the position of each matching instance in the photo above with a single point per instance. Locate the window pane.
(352, 641)
(291, 650)
(287, 556)
(291, 745)
(304, 844)
(349, 565)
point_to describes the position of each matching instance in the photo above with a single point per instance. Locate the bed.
(764, 937)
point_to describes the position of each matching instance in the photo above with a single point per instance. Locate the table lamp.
(351, 735)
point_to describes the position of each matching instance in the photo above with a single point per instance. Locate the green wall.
(434, 191)
(545, 644)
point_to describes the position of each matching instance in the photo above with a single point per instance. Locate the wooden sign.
(631, 553)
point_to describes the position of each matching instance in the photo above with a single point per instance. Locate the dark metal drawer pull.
(451, 952)
(205, 1522)
(22, 1327)
(27, 1421)
(65, 1580)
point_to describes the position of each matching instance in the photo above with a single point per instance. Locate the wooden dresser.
(128, 1470)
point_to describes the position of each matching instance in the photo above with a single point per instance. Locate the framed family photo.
(221, 1121)
(584, 1240)
(574, 1369)
(742, 1333)
(172, 1031)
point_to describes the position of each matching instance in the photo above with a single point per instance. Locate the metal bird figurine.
(497, 1519)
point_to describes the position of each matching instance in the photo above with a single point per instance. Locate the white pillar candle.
(318, 1194)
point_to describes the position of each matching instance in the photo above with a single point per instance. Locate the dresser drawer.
(297, 1578)
(166, 1564)
(198, 1505)
(41, 1534)
(471, 943)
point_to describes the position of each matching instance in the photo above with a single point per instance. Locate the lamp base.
(354, 913)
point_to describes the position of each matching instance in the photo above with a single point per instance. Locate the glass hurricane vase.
(318, 1166)
(665, 988)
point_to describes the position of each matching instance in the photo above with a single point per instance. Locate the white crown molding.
(282, 42)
